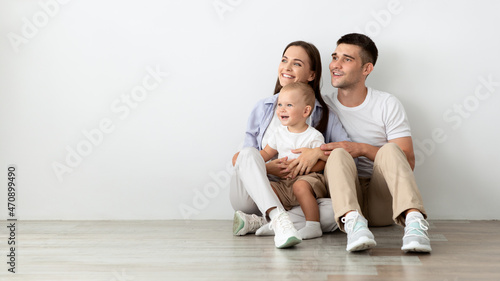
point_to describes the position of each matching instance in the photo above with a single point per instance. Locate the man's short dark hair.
(369, 52)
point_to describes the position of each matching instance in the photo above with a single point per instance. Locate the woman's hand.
(305, 162)
(235, 157)
(278, 167)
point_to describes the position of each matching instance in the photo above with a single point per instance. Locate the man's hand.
(354, 148)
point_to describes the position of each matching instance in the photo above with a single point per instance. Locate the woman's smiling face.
(295, 66)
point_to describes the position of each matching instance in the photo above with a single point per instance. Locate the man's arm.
(370, 151)
(354, 148)
(406, 144)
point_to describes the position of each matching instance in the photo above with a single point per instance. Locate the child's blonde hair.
(306, 90)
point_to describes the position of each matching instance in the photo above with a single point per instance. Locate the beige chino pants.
(381, 199)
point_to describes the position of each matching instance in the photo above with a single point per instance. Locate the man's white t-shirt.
(380, 118)
(285, 141)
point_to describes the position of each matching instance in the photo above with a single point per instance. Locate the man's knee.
(339, 157)
(340, 151)
(338, 154)
(390, 152)
(390, 148)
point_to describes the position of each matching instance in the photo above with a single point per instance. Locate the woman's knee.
(246, 153)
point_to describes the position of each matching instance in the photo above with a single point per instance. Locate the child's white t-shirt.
(285, 141)
(275, 125)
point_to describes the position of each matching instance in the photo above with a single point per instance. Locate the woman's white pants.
(251, 192)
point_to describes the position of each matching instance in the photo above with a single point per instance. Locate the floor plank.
(207, 250)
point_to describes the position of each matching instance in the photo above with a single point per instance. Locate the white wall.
(170, 84)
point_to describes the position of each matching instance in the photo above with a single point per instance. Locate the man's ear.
(367, 68)
(307, 110)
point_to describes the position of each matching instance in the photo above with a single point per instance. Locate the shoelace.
(349, 223)
(423, 226)
(283, 221)
(254, 221)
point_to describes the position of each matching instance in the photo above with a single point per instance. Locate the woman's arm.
(307, 160)
(318, 167)
(275, 167)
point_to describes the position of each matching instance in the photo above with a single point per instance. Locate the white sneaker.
(285, 234)
(244, 224)
(359, 237)
(416, 238)
(265, 230)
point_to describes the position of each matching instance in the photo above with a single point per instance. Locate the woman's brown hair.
(315, 61)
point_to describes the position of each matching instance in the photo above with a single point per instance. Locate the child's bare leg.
(304, 193)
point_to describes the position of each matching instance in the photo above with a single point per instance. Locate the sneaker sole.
(363, 243)
(238, 225)
(292, 241)
(416, 248)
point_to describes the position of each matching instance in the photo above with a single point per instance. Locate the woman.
(250, 190)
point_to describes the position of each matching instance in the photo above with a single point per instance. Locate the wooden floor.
(207, 250)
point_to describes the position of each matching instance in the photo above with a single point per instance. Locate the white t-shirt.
(275, 125)
(380, 118)
(284, 141)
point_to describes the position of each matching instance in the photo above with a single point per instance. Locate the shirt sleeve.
(253, 128)
(397, 125)
(317, 140)
(272, 141)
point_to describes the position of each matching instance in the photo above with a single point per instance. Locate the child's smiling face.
(292, 108)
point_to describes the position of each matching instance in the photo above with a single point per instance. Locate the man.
(381, 188)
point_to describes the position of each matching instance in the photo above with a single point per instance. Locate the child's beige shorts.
(284, 189)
